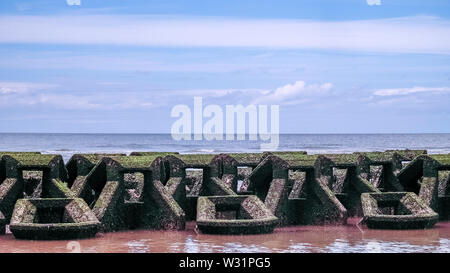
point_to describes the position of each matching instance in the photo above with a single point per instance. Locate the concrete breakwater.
(41, 197)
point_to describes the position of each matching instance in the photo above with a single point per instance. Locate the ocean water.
(350, 238)
(69, 144)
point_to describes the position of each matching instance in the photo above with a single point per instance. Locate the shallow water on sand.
(348, 238)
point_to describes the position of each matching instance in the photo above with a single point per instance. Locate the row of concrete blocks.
(153, 190)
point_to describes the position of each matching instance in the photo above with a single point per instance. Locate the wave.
(202, 151)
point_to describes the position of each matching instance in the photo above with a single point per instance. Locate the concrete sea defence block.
(234, 215)
(159, 190)
(397, 210)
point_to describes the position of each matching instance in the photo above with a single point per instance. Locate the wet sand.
(348, 238)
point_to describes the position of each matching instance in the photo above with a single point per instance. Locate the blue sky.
(359, 66)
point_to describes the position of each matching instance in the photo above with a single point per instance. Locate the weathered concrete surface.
(397, 210)
(234, 215)
(2, 223)
(159, 190)
(53, 219)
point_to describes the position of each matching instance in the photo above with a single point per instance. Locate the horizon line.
(109, 133)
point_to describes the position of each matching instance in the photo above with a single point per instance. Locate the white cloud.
(110, 83)
(293, 93)
(62, 101)
(93, 101)
(373, 2)
(45, 94)
(215, 93)
(22, 87)
(406, 91)
(73, 2)
(13, 94)
(410, 34)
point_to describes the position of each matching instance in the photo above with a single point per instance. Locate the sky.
(352, 66)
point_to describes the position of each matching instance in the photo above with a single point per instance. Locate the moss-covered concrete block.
(332, 210)
(224, 167)
(397, 210)
(196, 160)
(421, 176)
(160, 210)
(270, 182)
(247, 159)
(223, 176)
(53, 219)
(161, 190)
(111, 186)
(234, 215)
(81, 164)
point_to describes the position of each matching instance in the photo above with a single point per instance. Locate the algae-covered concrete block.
(234, 215)
(160, 190)
(421, 176)
(53, 219)
(270, 182)
(27, 175)
(397, 210)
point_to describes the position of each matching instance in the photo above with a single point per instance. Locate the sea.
(69, 144)
(351, 237)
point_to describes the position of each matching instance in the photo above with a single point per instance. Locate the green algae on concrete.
(82, 164)
(443, 160)
(162, 154)
(196, 160)
(281, 153)
(299, 161)
(135, 162)
(31, 160)
(18, 153)
(247, 159)
(408, 154)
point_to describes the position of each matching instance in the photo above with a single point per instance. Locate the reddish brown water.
(349, 238)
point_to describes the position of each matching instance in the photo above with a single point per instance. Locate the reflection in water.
(138, 246)
(299, 239)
